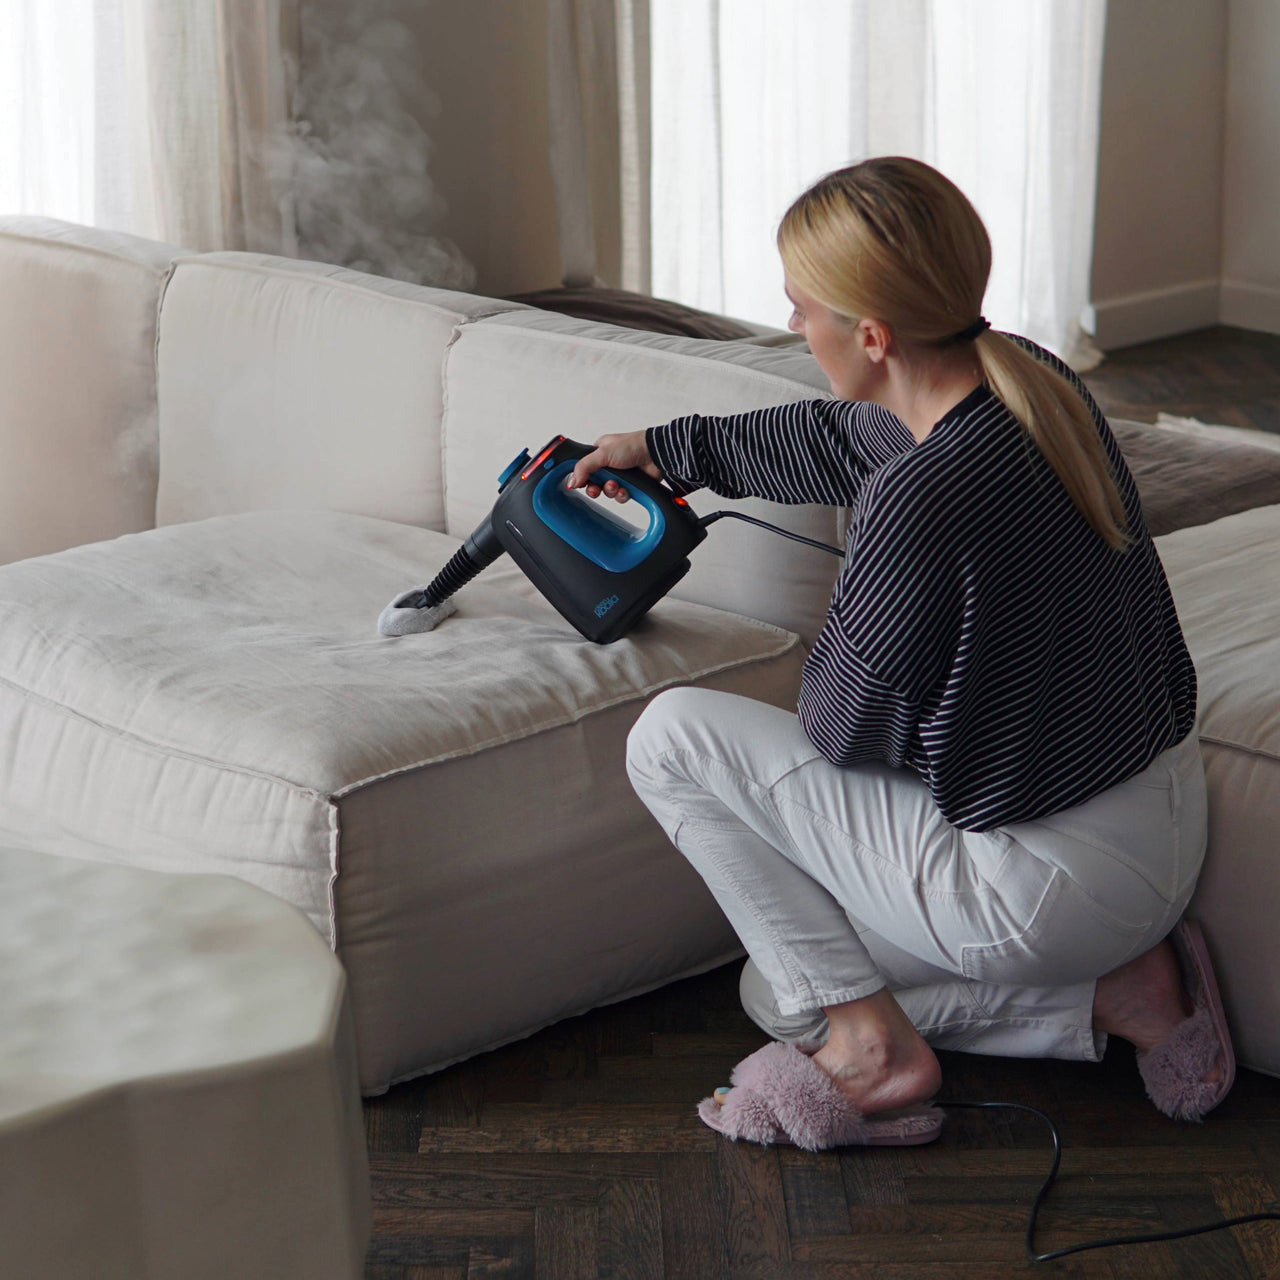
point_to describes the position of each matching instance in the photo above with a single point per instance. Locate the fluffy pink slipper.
(781, 1095)
(1174, 1070)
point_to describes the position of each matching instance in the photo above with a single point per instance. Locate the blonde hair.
(893, 239)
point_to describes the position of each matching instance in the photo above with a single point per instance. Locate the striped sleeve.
(809, 451)
(889, 636)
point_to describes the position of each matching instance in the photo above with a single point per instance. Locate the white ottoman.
(178, 1092)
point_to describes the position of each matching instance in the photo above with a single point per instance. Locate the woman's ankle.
(1143, 1000)
(877, 1057)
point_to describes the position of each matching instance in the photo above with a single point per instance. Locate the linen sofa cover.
(1225, 579)
(296, 384)
(528, 376)
(77, 383)
(451, 810)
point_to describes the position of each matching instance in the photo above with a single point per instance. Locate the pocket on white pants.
(1069, 938)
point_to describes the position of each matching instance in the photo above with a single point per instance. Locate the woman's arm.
(791, 453)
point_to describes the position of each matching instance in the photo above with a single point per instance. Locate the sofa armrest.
(77, 384)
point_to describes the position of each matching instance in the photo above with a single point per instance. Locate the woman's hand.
(618, 453)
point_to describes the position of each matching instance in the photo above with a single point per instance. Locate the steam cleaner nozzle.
(423, 608)
(402, 617)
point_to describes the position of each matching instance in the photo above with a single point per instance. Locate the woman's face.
(836, 342)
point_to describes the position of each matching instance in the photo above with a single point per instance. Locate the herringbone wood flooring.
(577, 1153)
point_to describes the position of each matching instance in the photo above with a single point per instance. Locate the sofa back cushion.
(514, 381)
(77, 384)
(296, 384)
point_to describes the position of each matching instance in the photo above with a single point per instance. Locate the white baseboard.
(1159, 313)
(1250, 306)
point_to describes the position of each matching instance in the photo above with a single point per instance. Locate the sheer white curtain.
(754, 99)
(145, 116)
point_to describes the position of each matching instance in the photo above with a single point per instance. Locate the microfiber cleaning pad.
(397, 620)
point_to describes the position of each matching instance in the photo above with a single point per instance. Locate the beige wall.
(482, 102)
(1187, 231)
(1251, 168)
(1158, 228)
(486, 60)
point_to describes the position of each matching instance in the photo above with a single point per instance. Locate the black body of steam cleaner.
(600, 571)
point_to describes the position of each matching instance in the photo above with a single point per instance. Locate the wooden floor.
(1229, 376)
(577, 1153)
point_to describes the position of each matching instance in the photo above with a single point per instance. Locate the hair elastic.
(980, 325)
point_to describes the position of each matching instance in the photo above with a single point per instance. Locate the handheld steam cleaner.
(600, 571)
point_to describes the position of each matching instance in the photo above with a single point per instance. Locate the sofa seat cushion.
(1187, 479)
(1225, 578)
(450, 809)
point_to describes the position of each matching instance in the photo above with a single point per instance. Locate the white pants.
(841, 881)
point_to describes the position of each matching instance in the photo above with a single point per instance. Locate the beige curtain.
(209, 84)
(148, 116)
(258, 57)
(598, 79)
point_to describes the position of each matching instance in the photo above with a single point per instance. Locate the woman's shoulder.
(1043, 354)
(1058, 365)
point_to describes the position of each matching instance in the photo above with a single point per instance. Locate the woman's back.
(985, 635)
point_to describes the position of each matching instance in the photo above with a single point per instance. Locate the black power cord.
(1053, 1174)
(773, 528)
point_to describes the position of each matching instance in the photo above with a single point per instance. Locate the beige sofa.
(216, 469)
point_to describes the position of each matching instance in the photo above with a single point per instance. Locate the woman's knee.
(664, 725)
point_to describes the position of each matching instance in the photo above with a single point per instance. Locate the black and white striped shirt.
(980, 631)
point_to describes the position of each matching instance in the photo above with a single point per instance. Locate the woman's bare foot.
(1144, 1000)
(877, 1057)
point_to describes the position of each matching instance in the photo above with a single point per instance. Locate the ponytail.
(1059, 421)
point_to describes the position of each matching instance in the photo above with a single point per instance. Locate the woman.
(984, 825)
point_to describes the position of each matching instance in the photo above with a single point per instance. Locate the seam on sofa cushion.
(1243, 748)
(155, 379)
(98, 250)
(791, 641)
(331, 885)
(336, 282)
(617, 344)
(158, 748)
(444, 426)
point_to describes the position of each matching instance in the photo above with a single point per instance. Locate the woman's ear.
(876, 338)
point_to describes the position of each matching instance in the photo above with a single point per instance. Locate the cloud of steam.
(353, 164)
